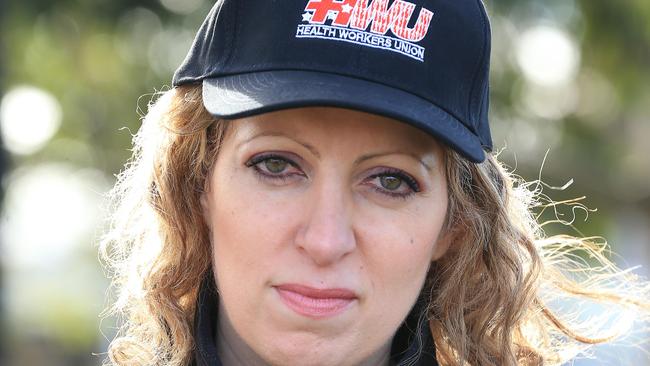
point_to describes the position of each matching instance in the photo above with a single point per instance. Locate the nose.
(326, 235)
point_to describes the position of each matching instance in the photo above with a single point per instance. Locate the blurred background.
(571, 77)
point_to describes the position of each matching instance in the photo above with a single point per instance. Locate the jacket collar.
(404, 350)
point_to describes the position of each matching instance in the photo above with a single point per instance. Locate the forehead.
(330, 125)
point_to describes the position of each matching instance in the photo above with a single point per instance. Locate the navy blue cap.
(423, 62)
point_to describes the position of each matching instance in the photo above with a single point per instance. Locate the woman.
(317, 189)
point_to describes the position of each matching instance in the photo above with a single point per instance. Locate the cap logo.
(356, 21)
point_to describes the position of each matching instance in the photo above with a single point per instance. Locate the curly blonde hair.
(490, 295)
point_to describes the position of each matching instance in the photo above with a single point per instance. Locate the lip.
(314, 302)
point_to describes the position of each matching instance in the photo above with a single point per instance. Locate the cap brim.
(248, 94)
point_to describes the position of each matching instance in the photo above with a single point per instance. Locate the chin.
(310, 352)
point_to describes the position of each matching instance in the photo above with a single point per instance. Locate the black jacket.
(403, 350)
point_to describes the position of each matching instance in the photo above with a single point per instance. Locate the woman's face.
(324, 222)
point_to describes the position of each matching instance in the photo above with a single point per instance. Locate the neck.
(232, 350)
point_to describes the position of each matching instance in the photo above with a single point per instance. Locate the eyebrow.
(358, 161)
(307, 146)
(365, 157)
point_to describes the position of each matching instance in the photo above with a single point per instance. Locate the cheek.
(249, 225)
(399, 247)
(396, 249)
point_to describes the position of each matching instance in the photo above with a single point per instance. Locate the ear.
(442, 244)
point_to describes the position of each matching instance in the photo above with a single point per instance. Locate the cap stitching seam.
(483, 100)
(237, 28)
(477, 69)
(220, 7)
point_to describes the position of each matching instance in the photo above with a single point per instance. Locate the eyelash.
(392, 172)
(255, 161)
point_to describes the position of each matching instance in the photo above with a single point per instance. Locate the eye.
(394, 183)
(274, 167)
(389, 182)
